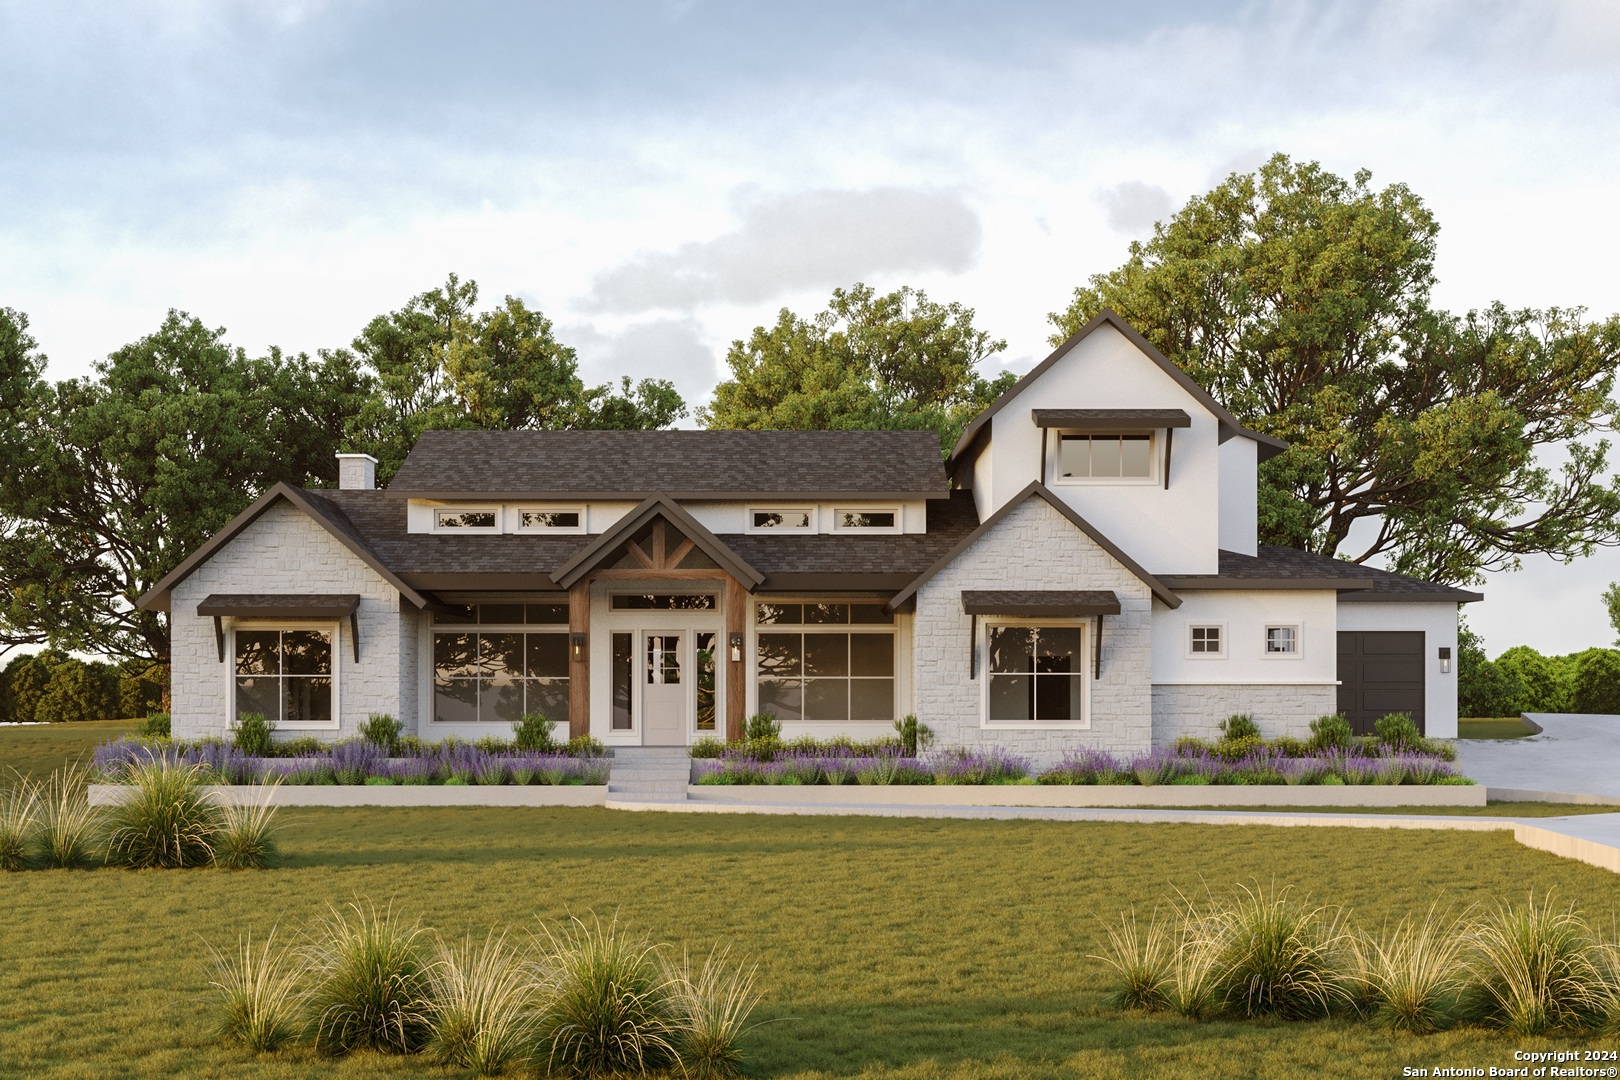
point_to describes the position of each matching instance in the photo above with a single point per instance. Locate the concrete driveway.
(1575, 753)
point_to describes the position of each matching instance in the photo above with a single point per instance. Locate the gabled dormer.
(1131, 442)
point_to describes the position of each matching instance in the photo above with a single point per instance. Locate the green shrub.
(1239, 726)
(1534, 969)
(483, 1015)
(1142, 960)
(260, 995)
(410, 746)
(493, 744)
(1596, 684)
(1331, 731)
(167, 820)
(1281, 957)
(707, 748)
(915, 736)
(1288, 746)
(1398, 731)
(585, 746)
(371, 989)
(762, 726)
(609, 1009)
(251, 734)
(532, 732)
(245, 840)
(712, 1003)
(69, 827)
(19, 823)
(1236, 749)
(156, 726)
(302, 746)
(1533, 683)
(383, 730)
(1191, 746)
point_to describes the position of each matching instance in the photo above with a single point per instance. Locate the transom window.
(1282, 640)
(550, 519)
(503, 614)
(664, 602)
(285, 675)
(1036, 674)
(464, 519)
(812, 666)
(779, 519)
(1207, 641)
(865, 519)
(1105, 457)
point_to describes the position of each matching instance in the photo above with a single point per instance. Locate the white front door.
(664, 690)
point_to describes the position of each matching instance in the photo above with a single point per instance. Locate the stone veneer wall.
(284, 551)
(1197, 710)
(1034, 547)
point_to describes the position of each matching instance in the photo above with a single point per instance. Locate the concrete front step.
(650, 774)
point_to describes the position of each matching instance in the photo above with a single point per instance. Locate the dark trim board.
(1216, 584)
(1111, 419)
(549, 495)
(1035, 603)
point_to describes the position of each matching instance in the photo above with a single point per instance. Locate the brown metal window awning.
(1035, 604)
(282, 606)
(1111, 419)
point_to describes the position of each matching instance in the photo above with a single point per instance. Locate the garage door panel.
(1384, 702)
(1380, 672)
(1392, 642)
(1392, 672)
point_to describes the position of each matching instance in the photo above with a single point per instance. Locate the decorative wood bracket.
(1096, 661)
(219, 636)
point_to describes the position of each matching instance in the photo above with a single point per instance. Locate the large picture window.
(512, 659)
(814, 665)
(1036, 674)
(285, 675)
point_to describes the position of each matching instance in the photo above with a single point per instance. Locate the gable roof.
(776, 465)
(1036, 489)
(322, 513)
(1269, 447)
(592, 554)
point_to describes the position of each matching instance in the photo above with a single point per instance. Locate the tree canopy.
(1302, 301)
(896, 361)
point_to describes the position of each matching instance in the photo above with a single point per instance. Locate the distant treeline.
(1523, 680)
(52, 687)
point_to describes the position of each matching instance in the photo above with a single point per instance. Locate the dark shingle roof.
(1282, 567)
(680, 464)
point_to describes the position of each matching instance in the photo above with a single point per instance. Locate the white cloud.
(1133, 206)
(811, 239)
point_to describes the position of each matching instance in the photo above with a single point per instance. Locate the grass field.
(36, 749)
(904, 948)
(1498, 727)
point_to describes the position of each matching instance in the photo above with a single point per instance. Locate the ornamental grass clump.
(1194, 987)
(19, 822)
(371, 988)
(261, 993)
(484, 1012)
(245, 839)
(711, 1003)
(1282, 956)
(609, 1008)
(1535, 968)
(1410, 978)
(69, 827)
(1142, 959)
(166, 819)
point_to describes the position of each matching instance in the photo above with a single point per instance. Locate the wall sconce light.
(578, 642)
(735, 641)
(1445, 658)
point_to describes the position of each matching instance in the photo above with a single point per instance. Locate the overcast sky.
(661, 177)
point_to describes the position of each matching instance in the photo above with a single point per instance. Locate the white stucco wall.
(1174, 531)
(1034, 547)
(1244, 616)
(1438, 622)
(1240, 494)
(284, 551)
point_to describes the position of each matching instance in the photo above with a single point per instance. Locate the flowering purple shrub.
(491, 770)
(357, 760)
(964, 765)
(1087, 767)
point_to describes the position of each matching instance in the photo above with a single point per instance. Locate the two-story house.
(1081, 572)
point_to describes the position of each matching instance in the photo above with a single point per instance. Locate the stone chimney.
(356, 472)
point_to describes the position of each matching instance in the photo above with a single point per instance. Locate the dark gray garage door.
(1380, 672)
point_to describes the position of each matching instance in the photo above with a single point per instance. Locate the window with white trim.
(830, 662)
(551, 520)
(1206, 641)
(1096, 456)
(503, 660)
(284, 675)
(1037, 674)
(886, 519)
(1282, 641)
(467, 519)
(780, 519)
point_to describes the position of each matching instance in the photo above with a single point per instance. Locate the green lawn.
(1496, 727)
(38, 748)
(890, 947)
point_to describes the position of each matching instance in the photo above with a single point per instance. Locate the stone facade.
(284, 551)
(1198, 709)
(1034, 547)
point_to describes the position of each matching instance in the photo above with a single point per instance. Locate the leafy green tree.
(111, 480)
(1302, 301)
(897, 361)
(1611, 601)
(1484, 688)
(1544, 681)
(77, 691)
(440, 364)
(26, 677)
(1597, 682)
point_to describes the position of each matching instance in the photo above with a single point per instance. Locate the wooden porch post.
(736, 671)
(579, 667)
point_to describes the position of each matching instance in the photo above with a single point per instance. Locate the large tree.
(441, 364)
(1302, 301)
(896, 361)
(109, 481)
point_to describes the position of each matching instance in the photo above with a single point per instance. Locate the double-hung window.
(825, 662)
(492, 663)
(1037, 674)
(285, 675)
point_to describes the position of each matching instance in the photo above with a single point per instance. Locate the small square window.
(1206, 641)
(1282, 640)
